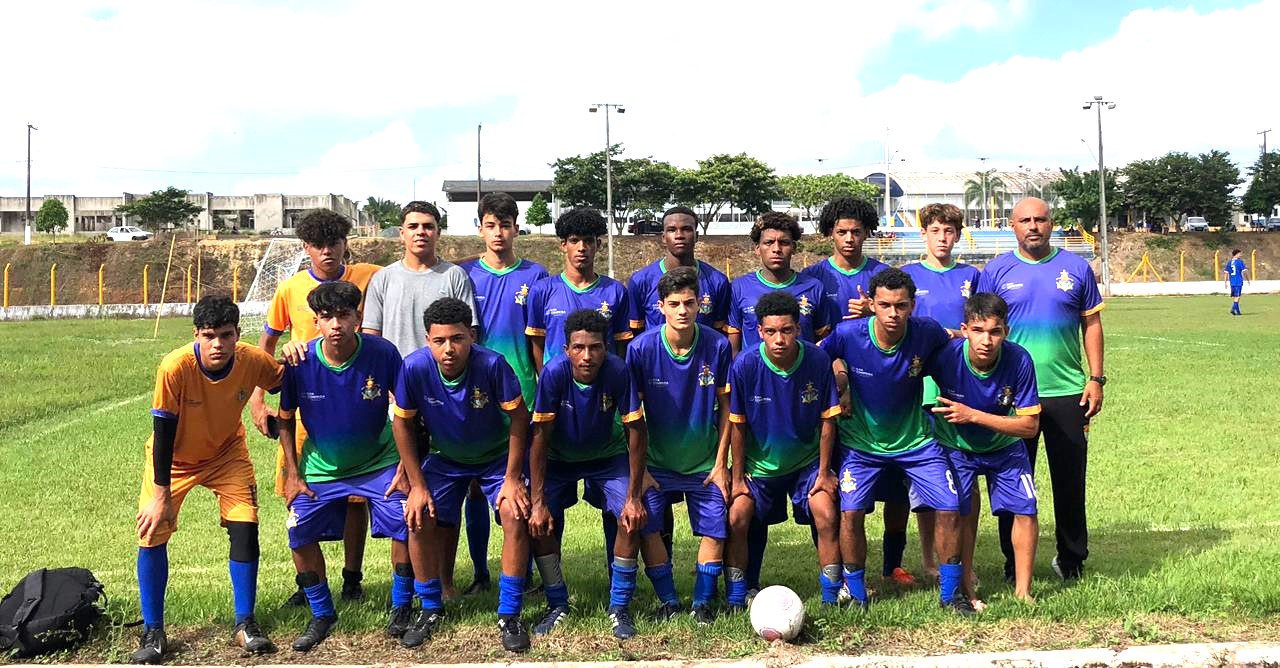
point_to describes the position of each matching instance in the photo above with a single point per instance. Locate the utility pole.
(26, 235)
(608, 170)
(478, 126)
(1264, 141)
(1102, 195)
(985, 177)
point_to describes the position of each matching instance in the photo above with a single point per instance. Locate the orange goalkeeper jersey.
(289, 309)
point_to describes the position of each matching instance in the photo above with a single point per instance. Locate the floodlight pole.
(608, 171)
(888, 194)
(1098, 102)
(26, 235)
(478, 126)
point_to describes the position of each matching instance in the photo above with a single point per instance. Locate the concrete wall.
(1188, 288)
(98, 214)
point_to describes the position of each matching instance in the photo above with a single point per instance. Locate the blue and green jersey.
(502, 297)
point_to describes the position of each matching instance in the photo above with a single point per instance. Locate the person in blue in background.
(1235, 274)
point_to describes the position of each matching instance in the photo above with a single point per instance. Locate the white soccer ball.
(777, 613)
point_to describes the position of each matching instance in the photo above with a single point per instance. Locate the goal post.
(282, 259)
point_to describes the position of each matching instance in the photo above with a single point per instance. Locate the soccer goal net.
(282, 259)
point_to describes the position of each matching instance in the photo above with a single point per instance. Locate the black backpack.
(50, 609)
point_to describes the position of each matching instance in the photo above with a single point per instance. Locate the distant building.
(258, 213)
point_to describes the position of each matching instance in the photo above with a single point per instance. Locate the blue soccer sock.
(402, 586)
(895, 543)
(553, 586)
(704, 583)
(949, 576)
(430, 593)
(735, 587)
(855, 580)
(624, 582)
(244, 587)
(318, 595)
(153, 577)
(757, 539)
(829, 581)
(477, 519)
(664, 583)
(510, 594)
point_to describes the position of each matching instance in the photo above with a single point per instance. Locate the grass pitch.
(1184, 514)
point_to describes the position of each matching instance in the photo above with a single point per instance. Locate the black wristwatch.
(1100, 380)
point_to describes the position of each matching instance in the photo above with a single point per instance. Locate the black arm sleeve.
(164, 432)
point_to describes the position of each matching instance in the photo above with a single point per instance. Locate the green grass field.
(1184, 514)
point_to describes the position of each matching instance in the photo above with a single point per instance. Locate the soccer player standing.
(1053, 299)
(846, 274)
(324, 239)
(589, 426)
(681, 371)
(679, 236)
(880, 366)
(470, 398)
(198, 439)
(987, 403)
(341, 392)
(1235, 274)
(578, 287)
(782, 408)
(775, 236)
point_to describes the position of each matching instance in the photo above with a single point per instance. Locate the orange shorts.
(300, 436)
(229, 476)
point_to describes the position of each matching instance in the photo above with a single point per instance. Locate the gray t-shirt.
(396, 298)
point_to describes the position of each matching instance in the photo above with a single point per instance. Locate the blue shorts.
(450, 481)
(770, 492)
(325, 517)
(1011, 486)
(1236, 289)
(708, 512)
(605, 479)
(932, 482)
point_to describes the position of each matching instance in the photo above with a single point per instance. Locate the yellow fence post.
(1253, 262)
(1216, 270)
(198, 268)
(188, 284)
(1182, 266)
(7, 266)
(146, 273)
(53, 284)
(102, 269)
(235, 283)
(726, 268)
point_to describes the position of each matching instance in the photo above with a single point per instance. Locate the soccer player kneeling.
(469, 398)
(783, 406)
(198, 439)
(341, 390)
(987, 404)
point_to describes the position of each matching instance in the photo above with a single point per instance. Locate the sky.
(383, 98)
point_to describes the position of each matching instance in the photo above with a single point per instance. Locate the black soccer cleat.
(351, 589)
(401, 618)
(151, 648)
(623, 626)
(249, 636)
(960, 605)
(296, 600)
(422, 628)
(703, 615)
(515, 636)
(477, 587)
(668, 611)
(1067, 572)
(550, 619)
(317, 630)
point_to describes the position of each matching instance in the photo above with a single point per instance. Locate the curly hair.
(843, 208)
(447, 311)
(586, 320)
(322, 228)
(777, 303)
(892, 279)
(581, 222)
(775, 220)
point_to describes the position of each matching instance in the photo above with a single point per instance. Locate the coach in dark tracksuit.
(1053, 298)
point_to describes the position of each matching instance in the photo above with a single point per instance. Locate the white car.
(128, 233)
(1196, 224)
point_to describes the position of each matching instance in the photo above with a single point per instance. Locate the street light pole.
(26, 235)
(985, 176)
(478, 126)
(1264, 141)
(1102, 195)
(608, 171)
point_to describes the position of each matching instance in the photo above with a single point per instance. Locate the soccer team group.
(424, 396)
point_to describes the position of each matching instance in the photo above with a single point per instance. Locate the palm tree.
(985, 184)
(383, 212)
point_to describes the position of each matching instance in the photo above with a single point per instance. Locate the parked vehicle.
(128, 233)
(645, 227)
(1196, 224)
(1273, 224)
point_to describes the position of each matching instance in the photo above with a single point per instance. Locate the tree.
(1264, 190)
(723, 180)
(580, 180)
(810, 191)
(383, 212)
(1178, 185)
(162, 208)
(638, 183)
(52, 216)
(538, 213)
(1079, 194)
(988, 185)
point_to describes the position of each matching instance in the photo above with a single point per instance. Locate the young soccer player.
(986, 405)
(341, 391)
(198, 439)
(579, 286)
(1234, 275)
(681, 371)
(324, 238)
(589, 426)
(942, 285)
(470, 399)
(880, 365)
(775, 236)
(846, 275)
(679, 235)
(782, 408)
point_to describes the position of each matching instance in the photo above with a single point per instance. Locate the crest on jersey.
(1006, 397)
(241, 395)
(604, 310)
(1064, 282)
(706, 377)
(806, 307)
(704, 306)
(479, 399)
(847, 482)
(522, 294)
(371, 389)
(606, 402)
(809, 394)
(966, 288)
(916, 366)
